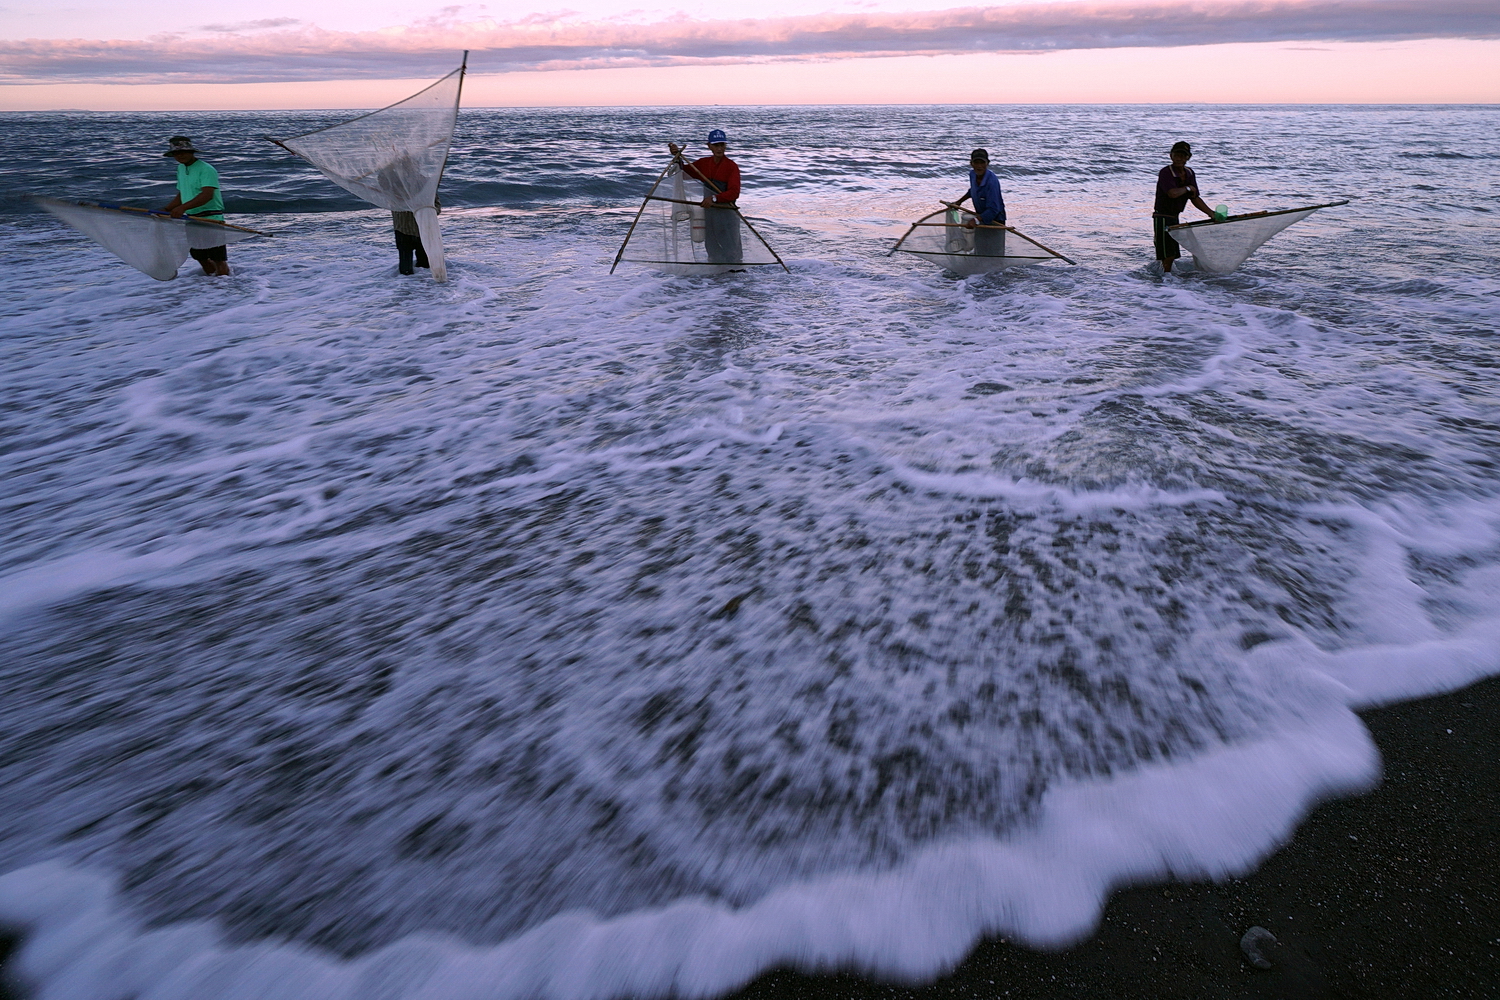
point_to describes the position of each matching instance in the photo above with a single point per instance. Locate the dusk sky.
(154, 54)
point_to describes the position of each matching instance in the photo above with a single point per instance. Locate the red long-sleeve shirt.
(726, 172)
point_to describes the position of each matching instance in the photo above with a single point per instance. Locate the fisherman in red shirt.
(721, 186)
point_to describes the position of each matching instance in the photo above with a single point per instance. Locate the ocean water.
(553, 633)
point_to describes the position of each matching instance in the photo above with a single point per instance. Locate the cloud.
(430, 47)
(261, 25)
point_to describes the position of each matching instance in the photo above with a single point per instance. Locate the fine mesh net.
(944, 239)
(152, 243)
(1220, 247)
(673, 232)
(393, 158)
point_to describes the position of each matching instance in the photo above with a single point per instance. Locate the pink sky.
(1230, 51)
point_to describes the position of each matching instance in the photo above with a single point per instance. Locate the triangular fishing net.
(1220, 247)
(673, 232)
(394, 157)
(150, 242)
(945, 240)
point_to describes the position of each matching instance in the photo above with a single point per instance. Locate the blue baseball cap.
(717, 135)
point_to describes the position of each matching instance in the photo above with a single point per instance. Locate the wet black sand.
(1393, 895)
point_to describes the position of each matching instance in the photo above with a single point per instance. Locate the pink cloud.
(430, 47)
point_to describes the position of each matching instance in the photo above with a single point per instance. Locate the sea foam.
(1211, 817)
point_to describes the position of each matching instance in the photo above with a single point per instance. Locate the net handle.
(679, 201)
(652, 196)
(1044, 246)
(158, 213)
(638, 213)
(325, 128)
(947, 205)
(714, 187)
(913, 229)
(458, 99)
(462, 70)
(677, 159)
(1257, 215)
(763, 241)
(1013, 229)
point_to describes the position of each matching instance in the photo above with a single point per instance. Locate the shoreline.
(1395, 891)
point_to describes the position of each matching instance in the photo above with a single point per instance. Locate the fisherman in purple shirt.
(1176, 185)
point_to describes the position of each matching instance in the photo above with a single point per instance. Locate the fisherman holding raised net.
(721, 184)
(409, 239)
(1176, 185)
(989, 206)
(198, 197)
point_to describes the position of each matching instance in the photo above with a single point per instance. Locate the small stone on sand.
(1255, 938)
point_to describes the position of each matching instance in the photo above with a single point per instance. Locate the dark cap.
(980, 154)
(1183, 148)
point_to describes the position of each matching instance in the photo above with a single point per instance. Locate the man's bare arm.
(178, 206)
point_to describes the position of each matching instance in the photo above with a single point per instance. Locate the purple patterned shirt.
(1166, 181)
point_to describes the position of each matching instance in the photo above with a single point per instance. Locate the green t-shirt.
(193, 178)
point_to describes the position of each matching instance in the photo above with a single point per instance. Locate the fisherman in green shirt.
(197, 197)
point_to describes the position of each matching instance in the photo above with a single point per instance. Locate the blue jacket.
(988, 204)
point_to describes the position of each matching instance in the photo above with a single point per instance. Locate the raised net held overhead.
(153, 243)
(1220, 247)
(951, 244)
(394, 157)
(674, 233)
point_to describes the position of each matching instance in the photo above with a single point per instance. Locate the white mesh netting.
(944, 239)
(152, 243)
(673, 232)
(394, 157)
(1220, 247)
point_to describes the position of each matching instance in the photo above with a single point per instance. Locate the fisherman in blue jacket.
(989, 205)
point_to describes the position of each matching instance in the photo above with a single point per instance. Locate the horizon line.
(820, 104)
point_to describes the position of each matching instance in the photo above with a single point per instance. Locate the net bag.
(1221, 247)
(153, 243)
(674, 233)
(393, 158)
(951, 244)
